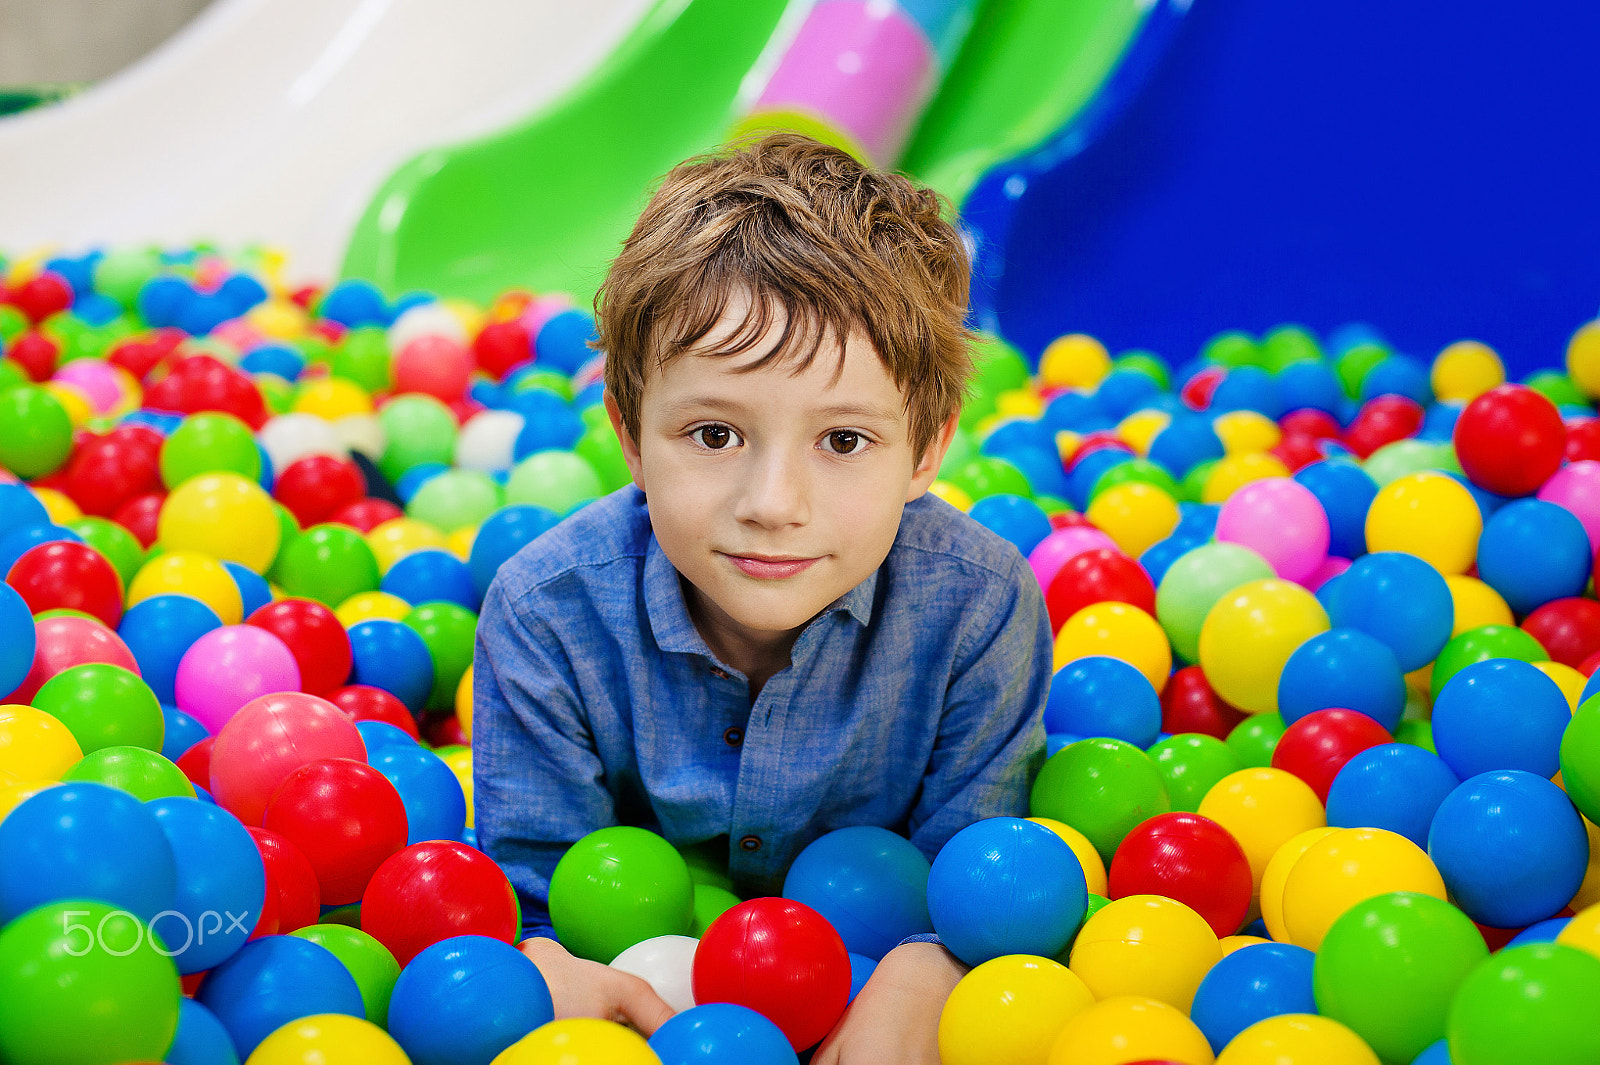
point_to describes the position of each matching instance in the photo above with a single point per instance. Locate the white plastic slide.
(276, 120)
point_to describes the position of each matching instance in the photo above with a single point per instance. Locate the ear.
(630, 447)
(928, 468)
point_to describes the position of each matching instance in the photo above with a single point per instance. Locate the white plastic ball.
(289, 437)
(426, 320)
(488, 441)
(665, 963)
(363, 433)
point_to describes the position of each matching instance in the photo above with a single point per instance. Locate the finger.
(642, 1008)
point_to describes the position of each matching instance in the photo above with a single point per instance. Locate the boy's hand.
(895, 1018)
(580, 988)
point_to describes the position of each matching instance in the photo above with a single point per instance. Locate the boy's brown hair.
(811, 233)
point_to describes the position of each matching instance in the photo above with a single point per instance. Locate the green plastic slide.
(545, 204)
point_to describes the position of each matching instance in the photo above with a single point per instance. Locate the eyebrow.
(692, 404)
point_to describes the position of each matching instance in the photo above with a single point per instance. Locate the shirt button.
(750, 843)
(720, 673)
(733, 737)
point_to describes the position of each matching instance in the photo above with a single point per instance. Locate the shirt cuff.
(922, 937)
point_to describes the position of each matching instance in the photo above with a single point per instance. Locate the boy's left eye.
(846, 442)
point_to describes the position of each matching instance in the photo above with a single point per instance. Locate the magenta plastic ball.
(1061, 546)
(1576, 487)
(95, 379)
(1281, 520)
(228, 667)
(1331, 567)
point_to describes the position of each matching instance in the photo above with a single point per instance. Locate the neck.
(756, 654)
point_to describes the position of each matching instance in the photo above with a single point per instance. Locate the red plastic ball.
(1583, 439)
(1590, 664)
(500, 346)
(1197, 391)
(780, 958)
(363, 702)
(314, 636)
(1098, 576)
(269, 920)
(298, 895)
(1308, 421)
(446, 731)
(368, 514)
(1100, 440)
(345, 817)
(196, 763)
(434, 890)
(141, 355)
(317, 487)
(1297, 452)
(269, 738)
(1569, 629)
(1190, 704)
(105, 472)
(42, 295)
(1383, 420)
(435, 365)
(1317, 746)
(68, 640)
(141, 516)
(68, 575)
(1510, 440)
(1066, 519)
(1188, 858)
(36, 353)
(203, 383)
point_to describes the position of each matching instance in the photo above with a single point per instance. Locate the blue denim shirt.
(914, 701)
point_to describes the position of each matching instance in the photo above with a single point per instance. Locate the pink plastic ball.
(1279, 519)
(227, 667)
(1055, 550)
(1576, 487)
(1331, 567)
(541, 310)
(66, 641)
(95, 379)
(435, 365)
(269, 738)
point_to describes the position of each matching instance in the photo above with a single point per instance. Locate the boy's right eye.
(714, 437)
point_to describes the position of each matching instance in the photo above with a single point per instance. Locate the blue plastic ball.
(430, 576)
(273, 980)
(413, 479)
(201, 1039)
(1012, 518)
(1247, 388)
(1004, 885)
(1121, 392)
(241, 292)
(254, 591)
(870, 883)
(1540, 932)
(1251, 984)
(1159, 556)
(182, 732)
(1074, 411)
(504, 533)
(85, 840)
(1532, 552)
(159, 630)
(1345, 491)
(429, 790)
(1017, 433)
(221, 882)
(1187, 441)
(376, 735)
(1081, 479)
(861, 970)
(1510, 847)
(1393, 786)
(162, 300)
(1436, 1054)
(280, 359)
(563, 341)
(721, 1033)
(1500, 714)
(1343, 668)
(18, 639)
(1310, 386)
(354, 303)
(1398, 375)
(1400, 600)
(20, 508)
(557, 430)
(464, 999)
(1041, 466)
(1103, 696)
(17, 542)
(390, 655)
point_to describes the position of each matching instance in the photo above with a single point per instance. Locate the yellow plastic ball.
(1094, 868)
(1130, 1028)
(1277, 872)
(1138, 429)
(364, 606)
(464, 703)
(189, 573)
(469, 314)
(1067, 444)
(332, 398)
(1583, 931)
(1583, 358)
(1019, 403)
(398, 537)
(1233, 472)
(77, 405)
(1135, 515)
(579, 1041)
(1249, 635)
(956, 497)
(1146, 945)
(1569, 680)
(460, 763)
(325, 1039)
(1229, 944)
(1263, 809)
(1297, 1039)
(1246, 432)
(1428, 515)
(1347, 867)
(58, 505)
(1009, 1011)
(1589, 891)
(1476, 604)
(1121, 631)
(459, 541)
(222, 515)
(278, 318)
(1465, 370)
(1075, 360)
(13, 795)
(35, 745)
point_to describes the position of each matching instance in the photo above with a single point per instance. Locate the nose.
(774, 492)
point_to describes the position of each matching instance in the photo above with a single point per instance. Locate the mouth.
(770, 567)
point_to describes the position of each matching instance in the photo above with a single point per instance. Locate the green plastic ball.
(1231, 348)
(328, 563)
(206, 443)
(363, 356)
(601, 449)
(1580, 758)
(1193, 485)
(1190, 763)
(1255, 738)
(1557, 387)
(1136, 469)
(369, 961)
(1533, 1003)
(1417, 733)
(555, 479)
(447, 629)
(708, 863)
(1353, 366)
(1389, 967)
(1480, 645)
(1288, 344)
(104, 706)
(1102, 787)
(11, 374)
(617, 887)
(122, 272)
(456, 499)
(1195, 583)
(35, 431)
(988, 476)
(418, 429)
(139, 771)
(1146, 362)
(13, 323)
(83, 983)
(553, 380)
(710, 902)
(1393, 461)
(119, 546)
(962, 450)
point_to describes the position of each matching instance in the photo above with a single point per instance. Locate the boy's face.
(774, 493)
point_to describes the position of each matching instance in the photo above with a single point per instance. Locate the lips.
(769, 567)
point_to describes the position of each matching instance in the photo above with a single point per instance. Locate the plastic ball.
(1480, 644)
(1400, 600)
(1281, 521)
(1569, 629)
(1191, 764)
(1465, 370)
(332, 398)
(1342, 668)
(579, 1041)
(270, 737)
(1250, 985)
(1120, 631)
(1190, 704)
(1094, 869)
(1129, 1028)
(228, 667)
(1510, 848)
(104, 706)
(868, 882)
(319, 644)
(328, 563)
(193, 574)
(35, 431)
(139, 771)
(1390, 966)
(274, 980)
(435, 807)
(1249, 635)
(35, 745)
(1262, 808)
(328, 1037)
(447, 631)
(344, 816)
(721, 1032)
(1297, 1038)
(220, 872)
(1510, 440)
(1009, 1011)
(1135, 515)
(1317, 746)
(431, 575)
(1074, 360)
(1532, 552)
(201, 1039)
(1013, 518)
(1191, 859)
(315, 488)
(291, 877)
(1346, 867)
(158, 631)
(392, 656)
(68, 575)
(1575, 488)
(1428, 515)
(288, 438)
(616, 887)
(434, 890)
(224, 516)
(1528, 1003)
(364, 703)
(1500, 714)
(1393, 786)
(1145, 945)
(1101, 787)
(465, 999)
(503, 535)
(209, 443)
(372, 606)
(455, 499)
(1100, 696)
(1035, 912)
(1097, 575)
(665, 963)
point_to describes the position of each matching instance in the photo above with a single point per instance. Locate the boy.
(774, 632)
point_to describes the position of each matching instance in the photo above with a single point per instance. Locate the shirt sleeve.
(538, 781)
(991, 739)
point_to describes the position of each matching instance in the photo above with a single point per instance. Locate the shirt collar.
(669, 615)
